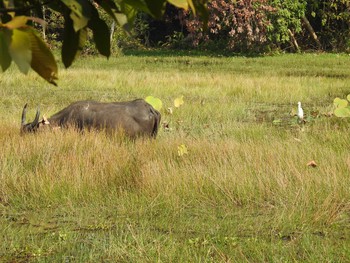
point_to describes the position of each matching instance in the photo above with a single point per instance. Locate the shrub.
(254, 25)
(331, 21)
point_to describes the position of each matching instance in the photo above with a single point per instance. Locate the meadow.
(242, 192)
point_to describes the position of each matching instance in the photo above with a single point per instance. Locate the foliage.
(248, 25)
(155, 102)
(286, 16)
(21, 44)
(240, 25)
(331, 21)
(342, 109)
(179, 101)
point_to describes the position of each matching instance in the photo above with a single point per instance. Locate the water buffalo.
(134, 118)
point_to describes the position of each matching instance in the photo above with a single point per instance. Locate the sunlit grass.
(243, 193)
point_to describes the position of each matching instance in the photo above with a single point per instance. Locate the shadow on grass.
(188, 52)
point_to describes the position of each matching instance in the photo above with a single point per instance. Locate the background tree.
(19, 41)
(264, 25)
(331, 22)
(254, 26)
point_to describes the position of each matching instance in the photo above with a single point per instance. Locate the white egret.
(300, 112)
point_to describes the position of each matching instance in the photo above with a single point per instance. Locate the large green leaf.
(340, 103)
(43, 62)
(20, 49)
(5, 58)
(155, 102)
(342, 112)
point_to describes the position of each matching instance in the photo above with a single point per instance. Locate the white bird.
(300, 111)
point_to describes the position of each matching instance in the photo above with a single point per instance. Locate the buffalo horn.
(36, 120)
(24, 112)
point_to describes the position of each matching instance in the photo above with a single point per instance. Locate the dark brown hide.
(134, 118)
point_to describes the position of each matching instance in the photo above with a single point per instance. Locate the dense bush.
(254, 25)
(331, 21)
(285, 18)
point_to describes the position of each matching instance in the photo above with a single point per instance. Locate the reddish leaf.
(312, 164)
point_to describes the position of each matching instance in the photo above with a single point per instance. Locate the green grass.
(243, 193)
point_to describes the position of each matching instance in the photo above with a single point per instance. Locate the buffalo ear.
(45, 121)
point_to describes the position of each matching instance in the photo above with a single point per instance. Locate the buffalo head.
(31, 126)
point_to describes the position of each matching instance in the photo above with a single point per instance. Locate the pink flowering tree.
(247, 25)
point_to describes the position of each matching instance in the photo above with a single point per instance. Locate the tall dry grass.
(243, 192)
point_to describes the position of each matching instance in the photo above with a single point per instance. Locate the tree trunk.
(311, 31)
(44, 25)
(112, 31)
(294, 41)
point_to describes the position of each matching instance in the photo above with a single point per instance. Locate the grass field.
(242, 193)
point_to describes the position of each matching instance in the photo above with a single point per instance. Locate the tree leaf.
(83, 35)
(155, 102)
(9, 3)
(79, 22)
(179, 3)
(342, 112)
(16, 22)
(43, 62)
(74, 6)
(101, 35)
(5, 58)
(182, 150)
(199, 8)
(80, 12)
(340, 103)
(130, 13)
(122, 20)
(179, 101)
(348, 97)
(121, 17)
(138, 4)
(70, 44)
(20, 49)
(156, 8)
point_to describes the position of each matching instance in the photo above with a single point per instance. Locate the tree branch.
(311, 31)
(23, 8)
